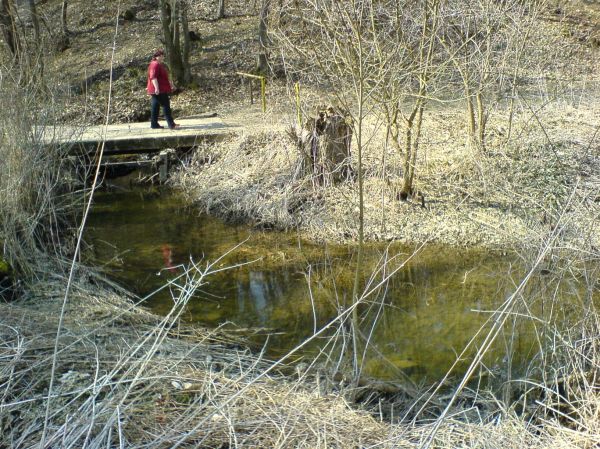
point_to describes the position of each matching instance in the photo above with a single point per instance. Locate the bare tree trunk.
(413, 135)
(185, 56)
(173, 15)
(36, 22)
(481, 119)
(263, 39)
(221, 13)
(167, 21)
(9, 29)
(175, 22)
(360, 99)
(35, 56)
(470, 115)
(415, 148)
(477, 120)
(63, 17)
(408, 146)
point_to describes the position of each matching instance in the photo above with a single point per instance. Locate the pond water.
(425, 315)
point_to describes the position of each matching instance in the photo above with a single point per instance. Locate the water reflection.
(167, 255)
(426, 314)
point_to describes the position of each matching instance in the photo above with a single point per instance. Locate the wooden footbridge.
(135, 142)
(136, 138)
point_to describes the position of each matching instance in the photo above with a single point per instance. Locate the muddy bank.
(513, 194)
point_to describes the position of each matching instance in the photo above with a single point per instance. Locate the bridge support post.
(163, 166)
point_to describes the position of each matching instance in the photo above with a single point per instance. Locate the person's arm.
(153, 75)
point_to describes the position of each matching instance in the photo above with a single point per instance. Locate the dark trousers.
(156, 102)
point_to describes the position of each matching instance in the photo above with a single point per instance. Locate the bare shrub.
(35, 199)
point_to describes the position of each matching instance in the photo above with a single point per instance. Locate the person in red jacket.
(159, 87)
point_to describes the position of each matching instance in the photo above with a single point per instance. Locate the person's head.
(159, 55)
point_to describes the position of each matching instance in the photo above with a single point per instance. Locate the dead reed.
(36, 198)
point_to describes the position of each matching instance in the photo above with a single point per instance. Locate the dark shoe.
(174, 126)
(157, 127)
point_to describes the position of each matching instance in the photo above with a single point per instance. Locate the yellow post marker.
(263, 87)
(263, 92)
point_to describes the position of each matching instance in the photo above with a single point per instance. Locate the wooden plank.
(132, 138)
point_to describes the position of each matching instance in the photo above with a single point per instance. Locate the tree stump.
(325, 145)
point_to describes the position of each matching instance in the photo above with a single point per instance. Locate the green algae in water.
(426, 314)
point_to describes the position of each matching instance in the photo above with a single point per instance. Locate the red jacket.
(158, 71)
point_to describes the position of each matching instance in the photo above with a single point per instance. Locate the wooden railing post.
(263, 88)
(263, 93)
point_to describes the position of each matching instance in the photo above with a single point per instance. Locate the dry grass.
(507, 196)
(130, 378)
(35, 193)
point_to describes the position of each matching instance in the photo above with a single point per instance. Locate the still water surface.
(431, 308)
